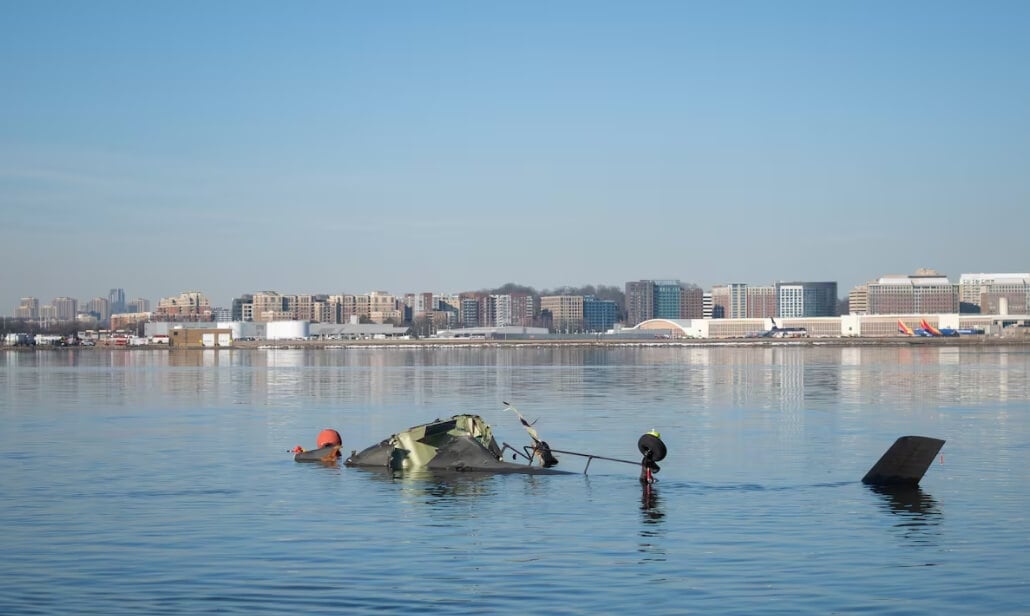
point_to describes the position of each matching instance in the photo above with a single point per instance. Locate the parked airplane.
(784, 332)
(908, 331)
(944, 331)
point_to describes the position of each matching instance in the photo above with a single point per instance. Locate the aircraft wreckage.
(465, 443)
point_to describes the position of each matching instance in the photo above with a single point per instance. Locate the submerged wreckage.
(465, 443)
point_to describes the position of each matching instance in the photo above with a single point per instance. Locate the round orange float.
(328, 438)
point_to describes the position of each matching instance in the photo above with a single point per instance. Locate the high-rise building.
(806, 299)
(100, 308)
(599, 314)
(66, 308)
(761, 302)
(692, 302)
(707, 306)
(721, 301)
(502, 309)
(116, 300)
(28, 308)
(47, 313)
(729, 301)
(524, 309)
(667, 299)
(662, 299)
(468, 312)
(238, 307)
(639, 301)
(138, 305)
(566, 311)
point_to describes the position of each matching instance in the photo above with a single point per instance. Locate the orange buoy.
(328, 437)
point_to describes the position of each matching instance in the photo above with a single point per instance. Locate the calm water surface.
(150, 482)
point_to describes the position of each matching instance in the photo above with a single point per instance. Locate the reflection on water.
(908, 501)
(651, 531)
(789, 378)
(918, 513)
(649, 504)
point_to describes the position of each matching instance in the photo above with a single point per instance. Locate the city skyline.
(822, 296)
(339, 147)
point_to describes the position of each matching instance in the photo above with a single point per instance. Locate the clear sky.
(343, 147)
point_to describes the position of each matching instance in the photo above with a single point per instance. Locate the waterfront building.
(599, 314)
(706, 306)
(692, 300)
(737, 308)
(524, 308)
(502, 309)
(468, 311)
(566, 311)
(720, 301)
(984, 292)
(858, 300)
(852, 325)
(665, 299)
(761, 302)
(729, 301)
(806, 299)
(926, 291)
(639, 301)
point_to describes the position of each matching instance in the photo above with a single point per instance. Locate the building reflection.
(789, 381)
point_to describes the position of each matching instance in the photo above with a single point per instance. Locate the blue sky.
(342, 147)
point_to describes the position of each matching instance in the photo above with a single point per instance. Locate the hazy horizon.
(338, 147)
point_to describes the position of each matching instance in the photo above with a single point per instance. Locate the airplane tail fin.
(904, 329)
(905, 463)
(933, 330)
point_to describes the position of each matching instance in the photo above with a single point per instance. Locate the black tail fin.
(905, 463)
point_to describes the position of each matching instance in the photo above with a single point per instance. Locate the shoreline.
(443, 343)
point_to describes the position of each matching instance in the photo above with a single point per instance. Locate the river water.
(157, 482)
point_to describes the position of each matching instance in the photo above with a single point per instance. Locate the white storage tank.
(286, 330)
